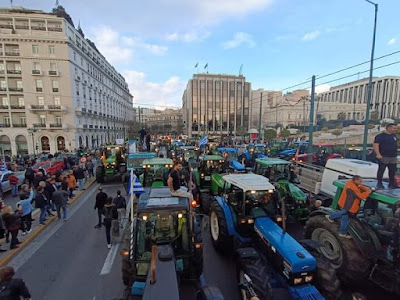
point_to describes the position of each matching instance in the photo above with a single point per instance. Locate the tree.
(285, 133)
(269, 134)
(341, 116)
(337, 132)
(241, 131)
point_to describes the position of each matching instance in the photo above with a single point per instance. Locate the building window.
(5, 101)
(39, 85)
(52, 49)
(53, 68)
(58, 120)
(19, 85)
(40, 101)
(57, 101)
(7, 120)
(42, 119)
(22, 120)
(35, 49)
(21, 102)
(3, 85)
(56, 87)
(2, 69)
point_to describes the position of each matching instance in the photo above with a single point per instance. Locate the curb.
(38, 230)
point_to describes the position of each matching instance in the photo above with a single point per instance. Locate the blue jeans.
(42, 214)
(14, 190)
(64, 208)
(344, 220)
(81, 183)
(100, 215)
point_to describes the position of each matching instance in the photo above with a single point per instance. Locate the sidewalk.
(6, 256)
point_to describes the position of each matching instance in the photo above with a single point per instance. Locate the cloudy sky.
(155, 44)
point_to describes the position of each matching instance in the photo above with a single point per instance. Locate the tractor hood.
(111, 159)
(237, 166)
(288, 152)
(296, 259)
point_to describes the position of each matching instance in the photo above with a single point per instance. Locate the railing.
(54, 29)
(6, 26)
(37, 106)
(3, 106)
(5, 125)
(17, 106)
(38, 89)
(22, 27)
(39, 125)
(53, 73)
(19, 125)
(3, 89)
(42, 28)
(56, 90)
(15, 89)
(14, 72)
(12, 53)
(90, 126)
(36, 72)
(55, 125)
(54, 107)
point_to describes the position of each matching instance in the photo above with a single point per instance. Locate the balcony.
(3, 106)
(56, 90)
(6, 26)
(4, 125)
(37, 107)
(15, 89)
(91, 126)
(36, 72)
(14, 72)
(39, 125)
(25, 27)
(39, 90)
(19, 125)
(12, 53)
(56, 125)
(85, 126)
(57, 107)
(41, 28)
(17, 106)
(56, 29)
(53, 73)
(3, 89)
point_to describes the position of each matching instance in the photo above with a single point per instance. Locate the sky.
(156, 44)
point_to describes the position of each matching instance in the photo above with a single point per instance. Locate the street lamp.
(369, 96)
(32, 132)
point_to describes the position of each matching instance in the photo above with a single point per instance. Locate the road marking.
(114, 248)
(20, 259)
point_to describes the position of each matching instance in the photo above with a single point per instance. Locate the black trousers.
(27, 222)
(392, 172)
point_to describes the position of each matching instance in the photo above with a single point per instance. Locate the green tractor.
(112, 162)
(279, 171)
(373, 252)
(208, 178)
(135, 161)
(155, 172)
(189, 154)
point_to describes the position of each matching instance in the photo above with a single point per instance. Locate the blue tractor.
(231, 159)
(246, 219)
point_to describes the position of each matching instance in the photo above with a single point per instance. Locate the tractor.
(155, 172)
(280, 171)
(373, 252)
(135, 161)
(176, 149)
(189, 154)
(248, 219)
(253, 152)
(231, 159)
(112, 162)
(208, 179)
(166, 249)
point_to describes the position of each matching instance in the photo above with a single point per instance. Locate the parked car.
(50, 167)
(5, 184)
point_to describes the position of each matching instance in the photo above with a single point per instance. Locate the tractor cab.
(323, 152)
(231, 159)
(284, 174)
(190, 154)
(166, 241)
(176, 149)
(253, 151)
(155, 172)
(209, 165)
(112, 162)
(276, 147)
(135, 161)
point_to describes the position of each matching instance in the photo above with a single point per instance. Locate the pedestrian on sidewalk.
(46, 194)
(29, 175)
(14, 184)
(2, 225)
(40, 202)
(101, 200)
(13, 224)
(90, 167)
(27, 208)
(60, 199)
(51, 187)
(110, 214)
(71, 184)
(12, 288)
(385, 147)
(120, 203)
(79, 174)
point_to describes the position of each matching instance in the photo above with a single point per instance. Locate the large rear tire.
(343, 254)
(99, 174)
(219, 230)
(205, 202)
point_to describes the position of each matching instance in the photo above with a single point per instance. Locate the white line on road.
(114, 249)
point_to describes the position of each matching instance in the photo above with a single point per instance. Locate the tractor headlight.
(279, 219)
(298, 280)
(113, 163)
(270, 191)
(202, 175)
(309, 278)
(148, 166)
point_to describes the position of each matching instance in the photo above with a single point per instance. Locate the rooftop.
(249, 182)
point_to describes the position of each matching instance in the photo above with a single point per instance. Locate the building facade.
(167, 121)
(260, 97)
(57, 91)
(216, 104)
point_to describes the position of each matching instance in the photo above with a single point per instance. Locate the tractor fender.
(322, 211)
(229, 220)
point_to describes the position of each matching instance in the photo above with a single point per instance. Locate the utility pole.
(260, 121)
(311, 122)
(371, 68)
(140, 120)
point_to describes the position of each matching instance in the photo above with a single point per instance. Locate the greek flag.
(203, 141)
(135, 183)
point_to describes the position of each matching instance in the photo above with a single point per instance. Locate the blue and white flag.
(137, 186)
(203, 141)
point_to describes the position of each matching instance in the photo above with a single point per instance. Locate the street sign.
(83, 159)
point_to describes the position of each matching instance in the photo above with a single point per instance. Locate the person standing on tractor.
(385, 147)
(142, 135)
(349, 202)
(148, 139)
(174, 182)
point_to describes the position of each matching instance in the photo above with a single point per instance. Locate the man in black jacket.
(101, 199)
(12, 288)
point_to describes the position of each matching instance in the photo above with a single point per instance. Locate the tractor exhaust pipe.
(153, 264)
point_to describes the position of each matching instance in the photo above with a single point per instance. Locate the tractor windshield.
(261, 203)
(212, 166)
(230, 155)
(135, 162)
(111, 152)
(155, 173)
(189, 153)
(273, 172)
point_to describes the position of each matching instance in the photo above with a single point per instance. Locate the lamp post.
(369, 96)
(32, 132)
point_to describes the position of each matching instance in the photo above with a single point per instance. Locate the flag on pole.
(206, 66)
(203, 141)
(196, 65)
(134, 187)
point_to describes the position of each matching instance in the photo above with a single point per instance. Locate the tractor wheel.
(219, 230)
(99, 174)
(205, 202)
(342, 253)
(259, 274)
(128, 272)
(326, 279)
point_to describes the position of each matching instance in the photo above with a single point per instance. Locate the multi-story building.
(216, 104)
(57, 91)
(260, 97)
(165, 122)
(351, 98)
(145, 114)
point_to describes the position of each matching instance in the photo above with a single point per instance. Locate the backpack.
(110, 213)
